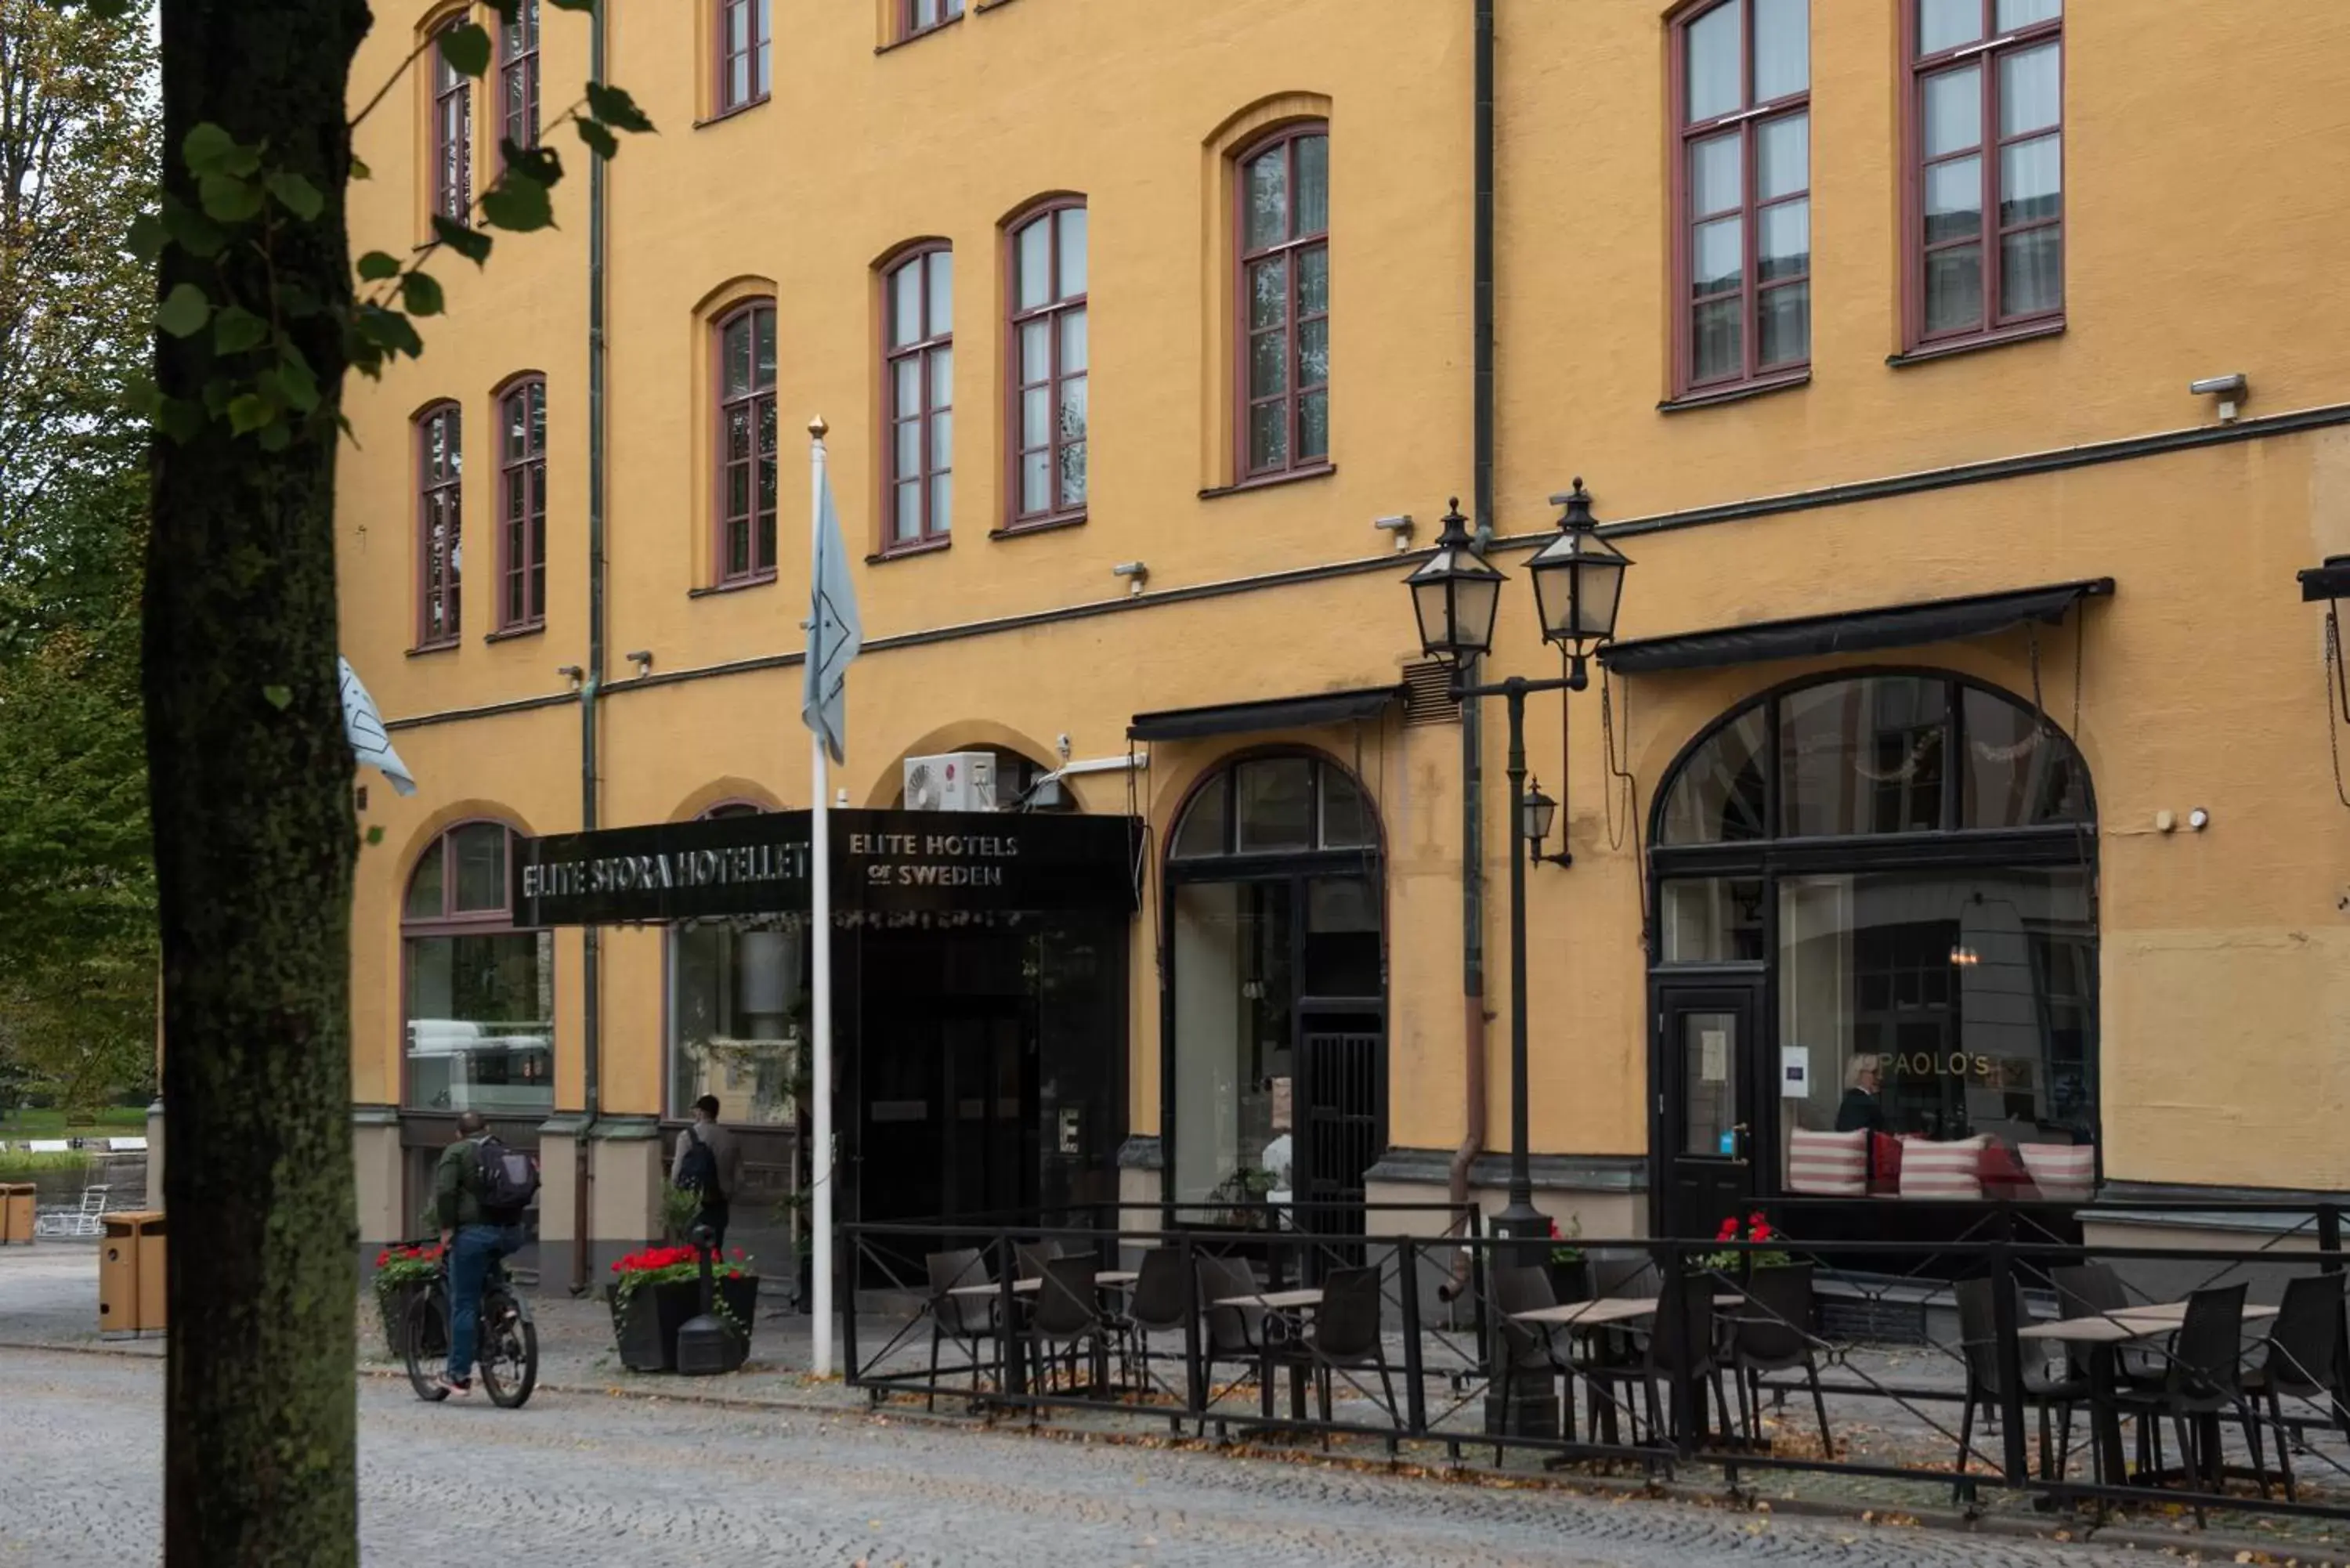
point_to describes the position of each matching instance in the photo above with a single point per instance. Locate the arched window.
(1283, 255)
(918, 390)
(1906, 861)
(1048, 358)
(1277, 1070)
(739, 1012)
(746, 443)
(440, 525)
(478, 996)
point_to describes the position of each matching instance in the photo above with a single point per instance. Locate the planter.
(645, 1330)
(391, 1306)
(1569, 1281)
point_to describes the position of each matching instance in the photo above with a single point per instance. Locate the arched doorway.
(1874, 932)
(1275, 1079)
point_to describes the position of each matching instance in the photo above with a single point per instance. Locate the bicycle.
(506, 1353)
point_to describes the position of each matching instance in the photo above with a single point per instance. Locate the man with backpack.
(709, 1165)
(480, 1190)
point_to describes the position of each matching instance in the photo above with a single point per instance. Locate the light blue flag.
(835, 632)
(370, 743)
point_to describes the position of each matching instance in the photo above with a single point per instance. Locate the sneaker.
(456, 1388)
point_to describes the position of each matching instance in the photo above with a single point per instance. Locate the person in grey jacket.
(715, 1206)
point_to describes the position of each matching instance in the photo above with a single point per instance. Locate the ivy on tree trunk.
(250, 780)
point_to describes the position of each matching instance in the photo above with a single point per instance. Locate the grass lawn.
(114, 1121)
(16, 1162)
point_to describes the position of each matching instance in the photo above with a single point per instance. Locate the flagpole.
(820, 1164)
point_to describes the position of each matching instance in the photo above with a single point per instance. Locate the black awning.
(1851, 631)
(1275, 713)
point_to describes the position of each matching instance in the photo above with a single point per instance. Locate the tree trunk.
(255, 839)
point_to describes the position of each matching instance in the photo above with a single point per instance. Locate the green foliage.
(78, 938)
(19, 1162)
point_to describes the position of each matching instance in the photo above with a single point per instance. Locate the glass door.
(1708, 1057)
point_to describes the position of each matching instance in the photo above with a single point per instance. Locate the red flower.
(1762, 1231)
(1728, 1231)
(381, 1259)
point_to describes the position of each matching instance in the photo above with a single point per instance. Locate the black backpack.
(698, 1170)
(506, 1182)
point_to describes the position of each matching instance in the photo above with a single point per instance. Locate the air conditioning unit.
(952, 780)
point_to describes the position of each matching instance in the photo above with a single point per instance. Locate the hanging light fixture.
(1578, 583)
(1455, 594)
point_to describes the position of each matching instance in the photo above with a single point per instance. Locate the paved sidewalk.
(47, 1297)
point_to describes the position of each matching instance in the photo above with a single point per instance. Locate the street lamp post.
(1456, 594)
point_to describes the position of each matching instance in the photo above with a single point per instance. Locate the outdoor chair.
(966, 1320)
(1346, 1339)
(1067, 1318)
(2205, 1381)
(1032, 1257)
(2091, 1290)
(1155, 1305)
(1530, 1349)
(1773, 1333)
(1680, 1346)
(1978, 1344)
(1235, 1335)
(2307, 1358)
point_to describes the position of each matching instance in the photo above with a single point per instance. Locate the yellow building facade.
(1875, 318)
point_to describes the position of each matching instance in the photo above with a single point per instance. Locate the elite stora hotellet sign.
(882, 862)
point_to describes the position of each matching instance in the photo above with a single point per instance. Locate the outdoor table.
(1285, 1303)
(2103, 1334)
(1108, 1279)
(1607, 1311)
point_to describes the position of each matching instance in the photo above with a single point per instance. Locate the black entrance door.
(1709, 1059)
(1341, 1075)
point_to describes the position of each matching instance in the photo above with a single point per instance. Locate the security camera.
(2231, 391)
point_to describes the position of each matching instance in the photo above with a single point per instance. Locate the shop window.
(1278, 976)
(1920, 899)
(739, 1013)
(478, 995)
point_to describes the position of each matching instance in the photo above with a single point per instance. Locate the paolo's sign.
(883, 862)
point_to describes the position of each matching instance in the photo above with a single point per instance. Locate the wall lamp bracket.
(1400, 525)
(643, 659)
(1135, 572)
(571, 673)
(2232, 390)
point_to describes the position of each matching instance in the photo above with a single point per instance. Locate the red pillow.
(1999, 1168)
(1885, 1160)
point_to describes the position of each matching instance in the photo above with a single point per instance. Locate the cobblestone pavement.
(671, 1482)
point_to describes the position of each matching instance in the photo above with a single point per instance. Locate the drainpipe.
(591, 688)
(1473, 731)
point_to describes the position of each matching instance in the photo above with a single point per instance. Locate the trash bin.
(17, 1213)
(153, 1277)
(122, 1250)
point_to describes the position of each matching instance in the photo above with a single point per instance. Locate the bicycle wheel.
(509, 1358)
(427, 1344)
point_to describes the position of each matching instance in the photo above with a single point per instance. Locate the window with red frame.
(440, 463)
(478, 998)
(917, 380)
(746, 36)
(747, 443)
(452, 136)
(1744, 74)
(518, 76)
(522, 507)
(1285, 289)
(922, 15)
(1987, 226)
(1048, 330)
